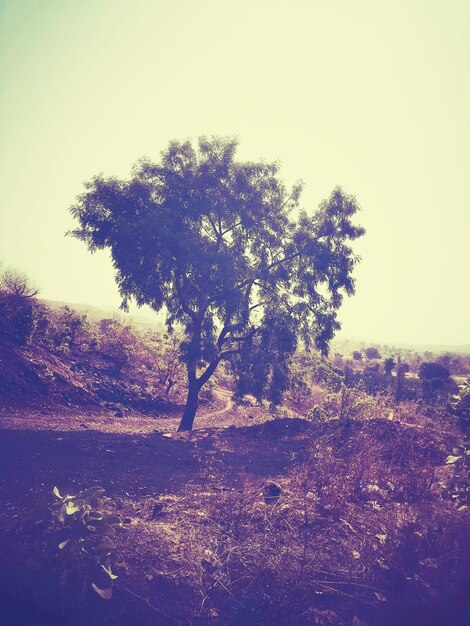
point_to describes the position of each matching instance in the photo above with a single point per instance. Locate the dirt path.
(225, 395)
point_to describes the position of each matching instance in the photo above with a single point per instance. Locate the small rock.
(271, 493)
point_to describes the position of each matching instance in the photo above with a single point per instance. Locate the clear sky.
(372, 95)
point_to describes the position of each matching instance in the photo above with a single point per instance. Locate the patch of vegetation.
(84, 541)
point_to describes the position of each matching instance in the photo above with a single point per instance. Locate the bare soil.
(210, 483)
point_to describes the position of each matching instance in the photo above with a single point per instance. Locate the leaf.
(71, 508)
(94, 517)
(452, 459)
(56, 492)
(92, 493)
(62, 544)
(109, 572)
(381, 538)
(356, 554)
(106, 594)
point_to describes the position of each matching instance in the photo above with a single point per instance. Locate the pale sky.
(372, 95)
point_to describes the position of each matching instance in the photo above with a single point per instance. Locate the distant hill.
(346, 346)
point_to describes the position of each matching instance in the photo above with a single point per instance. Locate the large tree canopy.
(222, 246)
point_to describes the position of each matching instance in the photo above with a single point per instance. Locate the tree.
(17, 302)
(434, 377)
(17, 284)
(222, 247)
(263, 368)
(433, 371)
(372, 353)
(389, 365)
(357, 356)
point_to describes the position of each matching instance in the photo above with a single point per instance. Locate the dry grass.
(359, 535)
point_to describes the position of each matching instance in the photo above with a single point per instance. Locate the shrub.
(389, 365)
(433, 371)
(17, 298)
(460, 405)
(84, 541)
(372, 353)
(118, 342)
(434, 378)
(68, 331)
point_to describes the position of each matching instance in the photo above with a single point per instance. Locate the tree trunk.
(191, 406)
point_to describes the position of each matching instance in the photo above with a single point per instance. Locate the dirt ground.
(142, 462)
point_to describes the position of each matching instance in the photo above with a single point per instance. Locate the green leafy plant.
(84, 542)
(460, 404)
(458, 487)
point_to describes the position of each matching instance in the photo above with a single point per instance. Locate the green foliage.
(84, 541)
(307, 367)
(389, 365)
(372, 353)
(17, 298)
(68, 331)
(221, 246)
(460, 404)
(433, 371)
(118, 342)
(263, 369)
(434, 378)
(324, 373)
(457, 488)
(299, 385)
(160, 355)
(351, 403)
(327, 410)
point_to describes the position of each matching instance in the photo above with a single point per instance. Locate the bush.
(434, 378)
(65, 331)
(460, 405)
(17, 297)
(433, 371)
(84, 541)
(389, 365)
(372, 353)
(118, 342)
